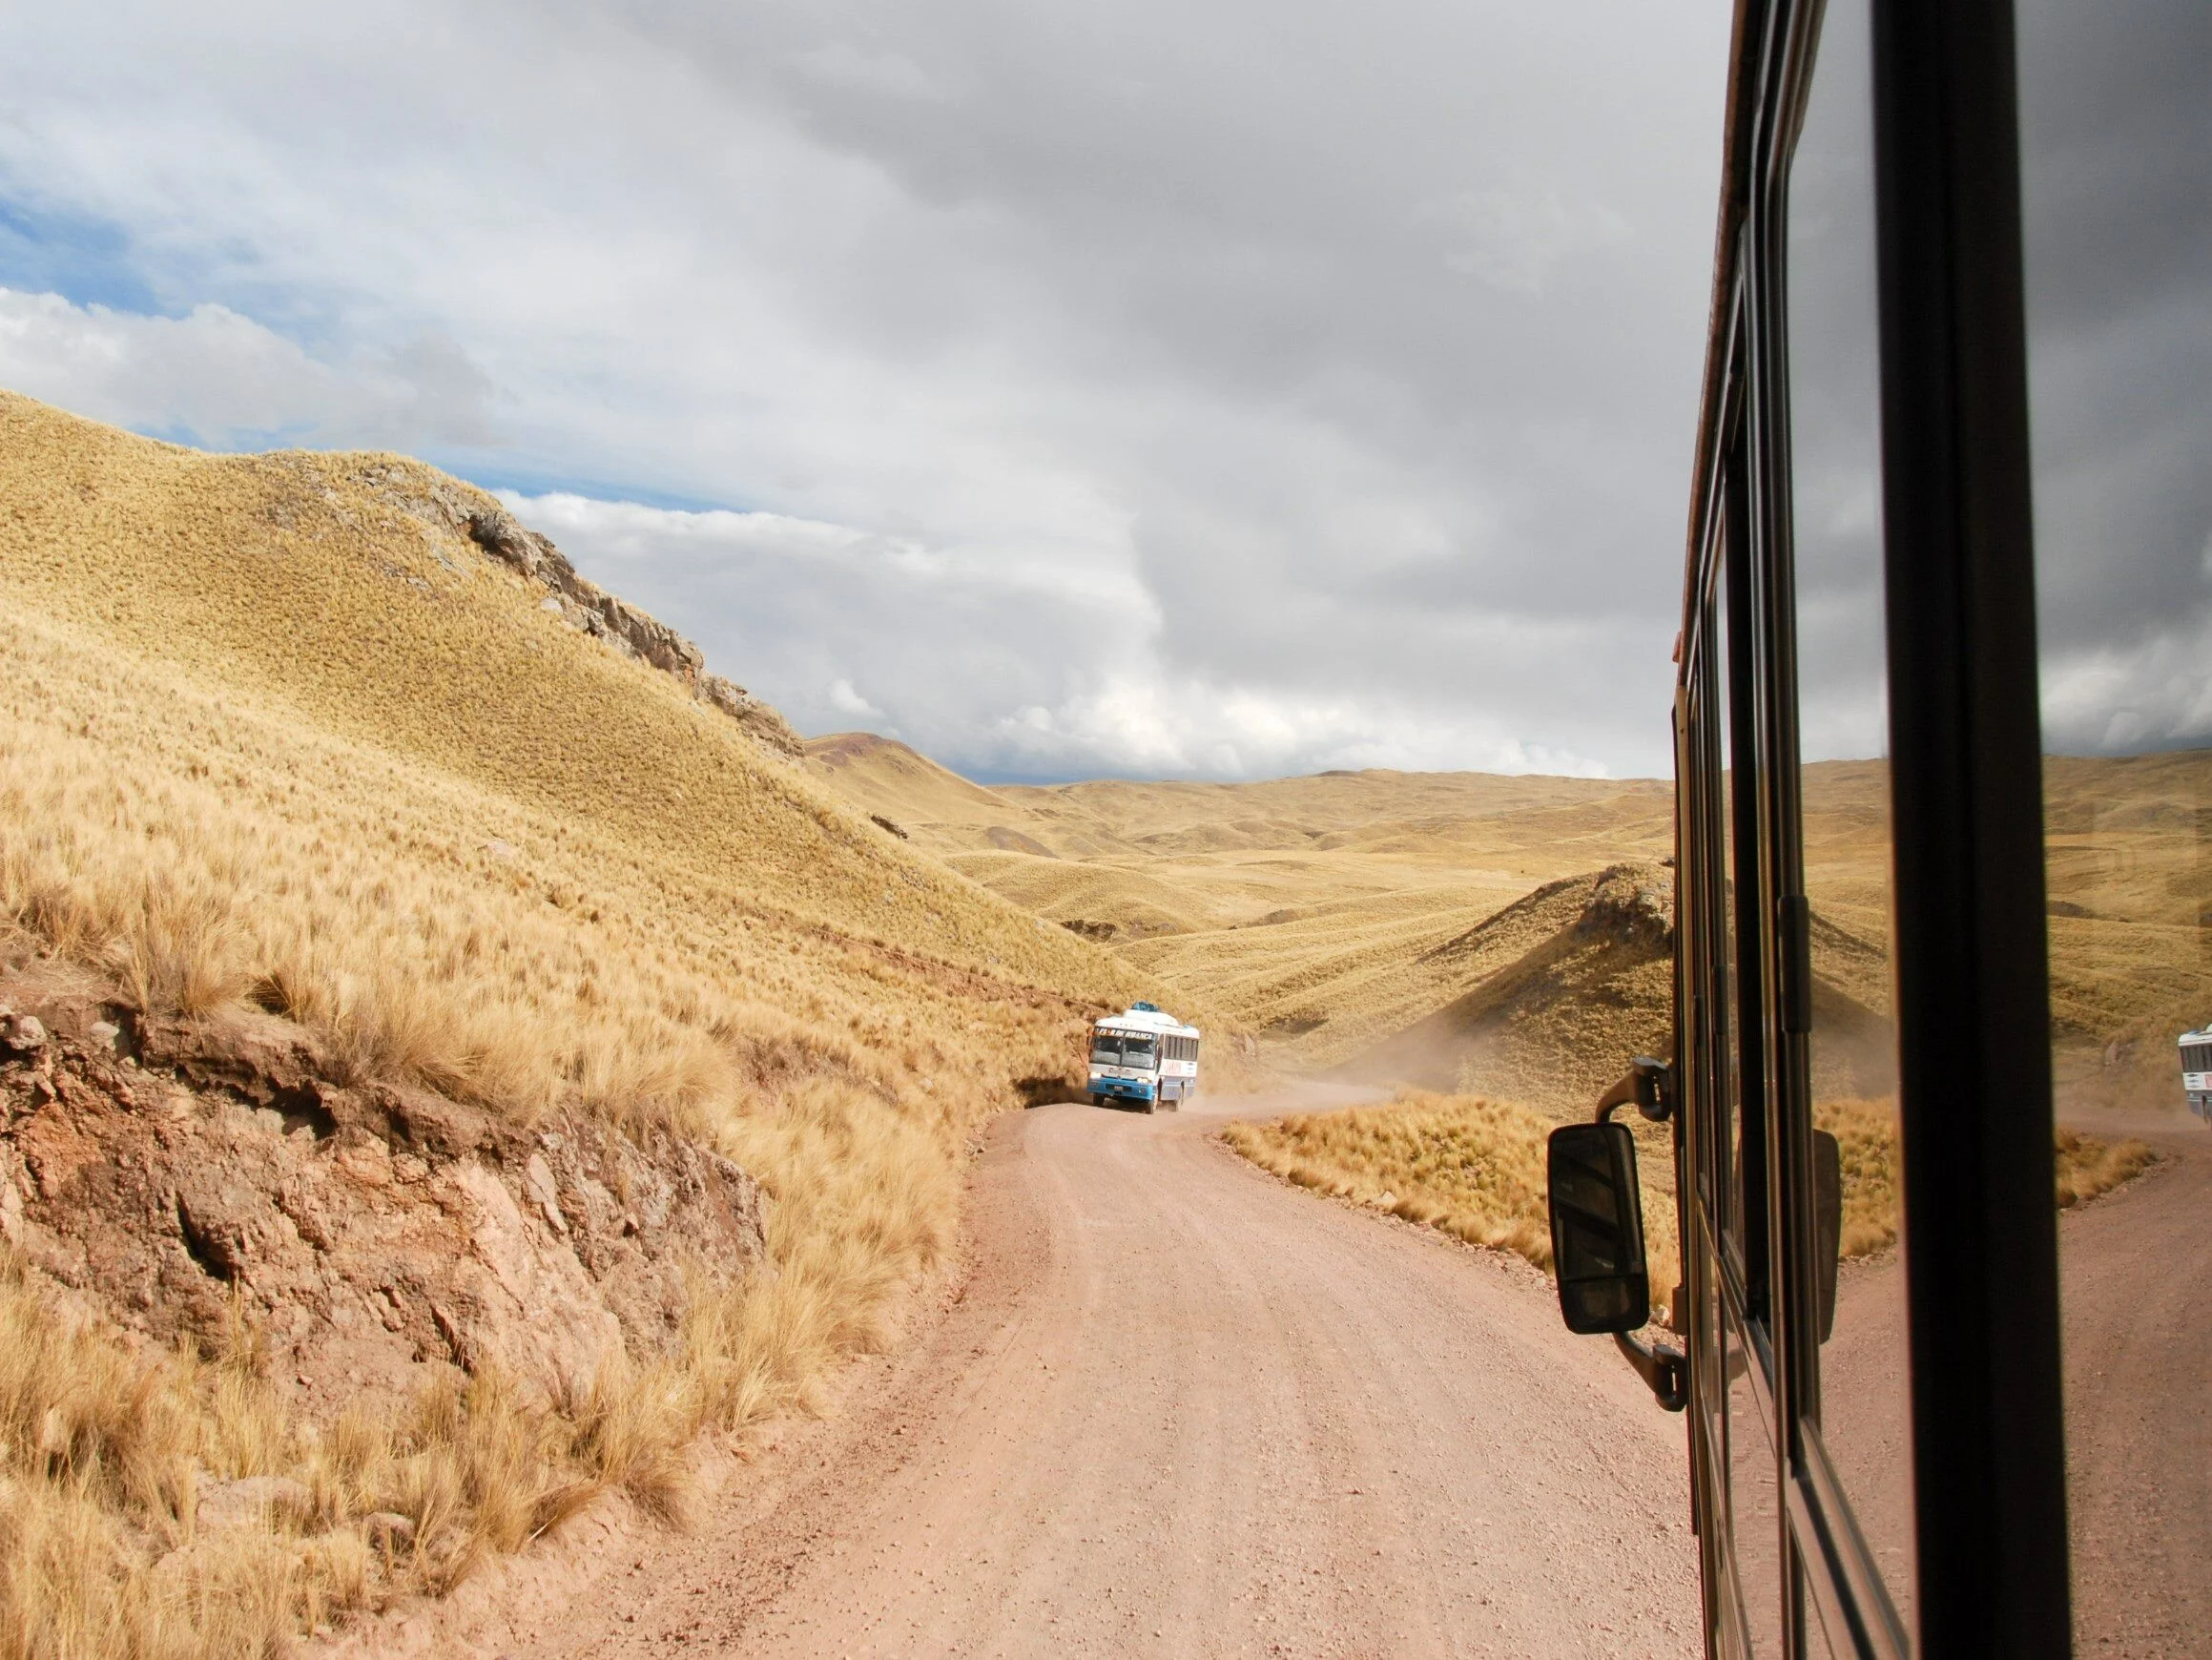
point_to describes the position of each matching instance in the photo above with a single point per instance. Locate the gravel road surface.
(1178, 1407)
(2135, 1282)
(2134, 1279)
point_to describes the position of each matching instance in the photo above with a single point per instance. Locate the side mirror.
(1597, 1219)
(1826, 1223)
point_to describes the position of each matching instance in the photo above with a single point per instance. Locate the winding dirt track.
(1179, 1408)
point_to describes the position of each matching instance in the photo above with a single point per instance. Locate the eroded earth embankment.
(193, 1180)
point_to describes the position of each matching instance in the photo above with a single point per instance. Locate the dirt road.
(1181, 1408)
(2134, 1271)
(2134, 1268)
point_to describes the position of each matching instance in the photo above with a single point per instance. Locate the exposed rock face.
(626, 628)
(370, 1234)
(643, 636)
(467, 513)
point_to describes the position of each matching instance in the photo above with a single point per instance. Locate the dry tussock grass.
(2088, 1167)
(100, 1454)
(1868, 1155)
(104, 1444)
(192, 898)
(101, 1552)
(1869, 1141)
(1465, 1165)
(1469, 1166)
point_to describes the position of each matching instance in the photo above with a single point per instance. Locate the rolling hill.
(1431, 928)
(451, 1049)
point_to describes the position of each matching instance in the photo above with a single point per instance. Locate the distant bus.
(2197, 1072)
(1143, 1057)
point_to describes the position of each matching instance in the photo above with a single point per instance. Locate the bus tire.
(1149, 1104)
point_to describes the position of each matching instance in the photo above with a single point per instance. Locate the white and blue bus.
(2197, 1072)
(1143, 1057)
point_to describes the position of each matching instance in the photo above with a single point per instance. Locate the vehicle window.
(1105, 1048)
(1862, 1408)
(2116, 175)
(1743, 1062)
(1706, 1008)
(1707, 912)
(1138, 1051)
(1755, 1486)
(1754, 1526)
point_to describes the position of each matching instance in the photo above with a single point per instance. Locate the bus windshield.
(1118, 1048)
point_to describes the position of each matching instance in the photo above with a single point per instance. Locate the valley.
(467, 1070)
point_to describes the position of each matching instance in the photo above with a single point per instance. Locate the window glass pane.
(1715, 917)
(1835, 435)
(1744, 904)
(1754, 1507)
(2117, 193)
(1729, 1074)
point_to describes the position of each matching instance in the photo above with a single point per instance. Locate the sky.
(1222, 389)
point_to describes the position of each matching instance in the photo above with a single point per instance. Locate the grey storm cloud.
(1222, 389)
(2117, 186)
(2117, 173)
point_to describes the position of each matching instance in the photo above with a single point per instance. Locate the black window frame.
(1972, 988)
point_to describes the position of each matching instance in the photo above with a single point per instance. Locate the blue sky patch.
(86, 261)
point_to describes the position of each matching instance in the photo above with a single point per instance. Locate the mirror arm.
(1648, 1086)
(1663, 1366)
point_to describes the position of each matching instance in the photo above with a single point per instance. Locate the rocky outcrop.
(459, 511)
(643, 637)
(182, 1177)
(622, 626)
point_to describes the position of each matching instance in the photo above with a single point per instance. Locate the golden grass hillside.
(1564, 986)
(937, 808)
(1401, 926)
(276, 733)
(2129, 878)
(1307, 908)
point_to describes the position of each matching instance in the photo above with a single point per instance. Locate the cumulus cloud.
(214, 377)
(1215, 389)
(847, 701)
(1012, 668)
